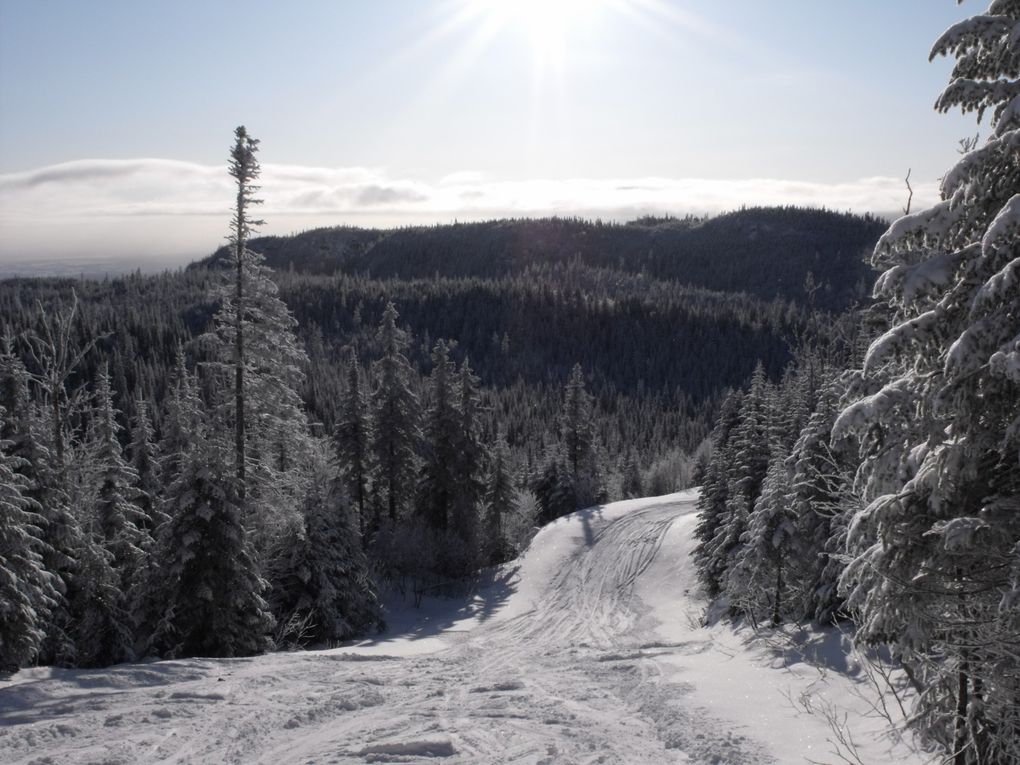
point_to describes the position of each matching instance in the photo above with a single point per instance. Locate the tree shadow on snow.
(442, 608)
(47, 693)
(591, 523)
(826, 648)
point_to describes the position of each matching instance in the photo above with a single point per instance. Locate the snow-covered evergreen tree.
(471, 458)
(580, 442)
(353, 438)
(501, 503)
(30, 435)
(554, 486)
(395, 414)
(28, 592)
(204, 595)
(119, 522)
(632, 485)
(714, 494)
(145, 461)
(101, 618)
(253, 345)
(322, 591)
(824, 501)
(437, 485)
(937, 566)
(571, 477)
(181, 419)
(755, 582)
(748, 452)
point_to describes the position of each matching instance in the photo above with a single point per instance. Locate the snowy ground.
(588, 650)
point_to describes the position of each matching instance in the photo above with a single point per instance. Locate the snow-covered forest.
(252, 514)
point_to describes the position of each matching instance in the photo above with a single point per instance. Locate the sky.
(116, 117)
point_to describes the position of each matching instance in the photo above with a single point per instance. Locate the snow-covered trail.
(592, 653)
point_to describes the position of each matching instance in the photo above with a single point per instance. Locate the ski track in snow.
(582, 664)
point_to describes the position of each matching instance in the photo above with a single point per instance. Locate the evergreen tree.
(396, 414)
(253, 341)
(554, 486)
(437, 485)
(145, 461)
(120, 522)
(205, 594)
(632, 485)
(715, 494)
(33, 446)
(572, 478)
(749, 457)
(936, 571)
(101, 620)
(353, 438)
(244, 167)
(322, 590)
(824, 499)
(755, 579)
(28, 592)
(575, 426)
(182, 419)
(471, 457)
(500, 503)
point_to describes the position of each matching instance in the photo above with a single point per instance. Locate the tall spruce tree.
(244, 168)
(748, 451)
(437, 484)
(353, 437)
(396, 413)
(253, 343)
(120, 522)
(936, 571)
(501, 504)
(145, 461)
(471, 457)
(714, 495)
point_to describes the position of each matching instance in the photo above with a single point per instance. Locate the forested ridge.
(765, 252)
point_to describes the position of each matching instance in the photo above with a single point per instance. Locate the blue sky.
(397, 111)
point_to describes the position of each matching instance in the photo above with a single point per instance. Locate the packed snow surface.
(589, 649)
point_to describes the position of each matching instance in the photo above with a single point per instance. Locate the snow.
(589, 649)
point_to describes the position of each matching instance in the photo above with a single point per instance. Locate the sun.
(547, 25)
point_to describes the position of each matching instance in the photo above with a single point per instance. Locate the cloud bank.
(144, 208)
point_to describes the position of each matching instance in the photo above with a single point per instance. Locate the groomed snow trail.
(591, 654)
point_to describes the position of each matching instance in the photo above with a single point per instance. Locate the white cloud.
(150, 207)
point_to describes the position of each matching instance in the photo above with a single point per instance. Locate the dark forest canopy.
(765, 252)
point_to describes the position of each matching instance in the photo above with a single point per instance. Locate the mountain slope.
(765, 252)
(588, 649)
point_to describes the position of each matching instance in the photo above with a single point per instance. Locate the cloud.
(150, 207)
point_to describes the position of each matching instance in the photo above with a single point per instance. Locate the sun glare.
(547, 24)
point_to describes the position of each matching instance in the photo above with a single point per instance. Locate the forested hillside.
(764, 252)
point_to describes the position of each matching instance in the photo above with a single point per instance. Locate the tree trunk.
(239, 457)
(960, 733)
(776, 600)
